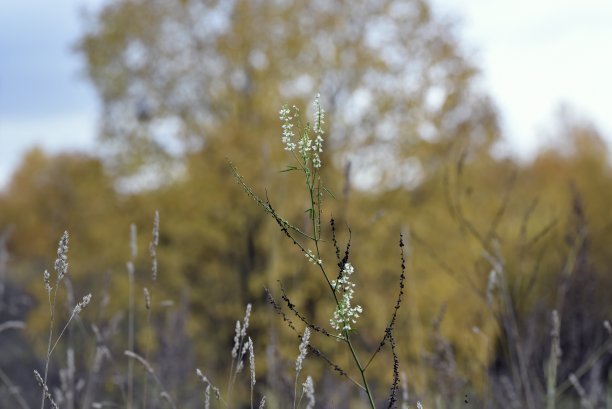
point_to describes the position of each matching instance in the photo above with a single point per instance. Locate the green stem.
(52, 309)
(366, 387)
(315, 211)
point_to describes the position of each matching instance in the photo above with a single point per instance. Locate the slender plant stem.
(314, 217)
(309, 164)
(130, 375)
(147, 349)
(49, 349)
(60, 335)
(366, 387)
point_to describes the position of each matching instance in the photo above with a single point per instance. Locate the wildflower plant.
(243, 345)
(61, 269)
(345, 315)
(304, 143)
(299, 361)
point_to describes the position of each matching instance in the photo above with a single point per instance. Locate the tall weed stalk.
(304, 143)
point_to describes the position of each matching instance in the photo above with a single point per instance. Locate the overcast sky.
(534, 55)
(537, 55)
(44, 98)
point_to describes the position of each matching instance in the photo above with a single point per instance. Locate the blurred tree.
(49, 194)
(186, 84)
(196, 82)
(175, 75)
(52, 193)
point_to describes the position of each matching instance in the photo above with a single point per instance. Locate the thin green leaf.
(329, 192)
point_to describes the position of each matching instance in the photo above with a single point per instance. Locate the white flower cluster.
(345, 315)
(287, 126)
(311, 257)
(303, 350)
(308, 148)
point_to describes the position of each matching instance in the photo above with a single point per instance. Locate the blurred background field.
(503, 224)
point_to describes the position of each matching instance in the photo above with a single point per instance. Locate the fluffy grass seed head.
(207, 382)
(308, 386)
(207, 397)
(153, 246)
(236, 340)
(252, 361)
(147, 297)
(245, 321)
(47, 280)
(42, 384)
(61, 263)
(345, 314)
(243, 351)
(156, 228)
(241, 333)
(82, 304)
(303, 350)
